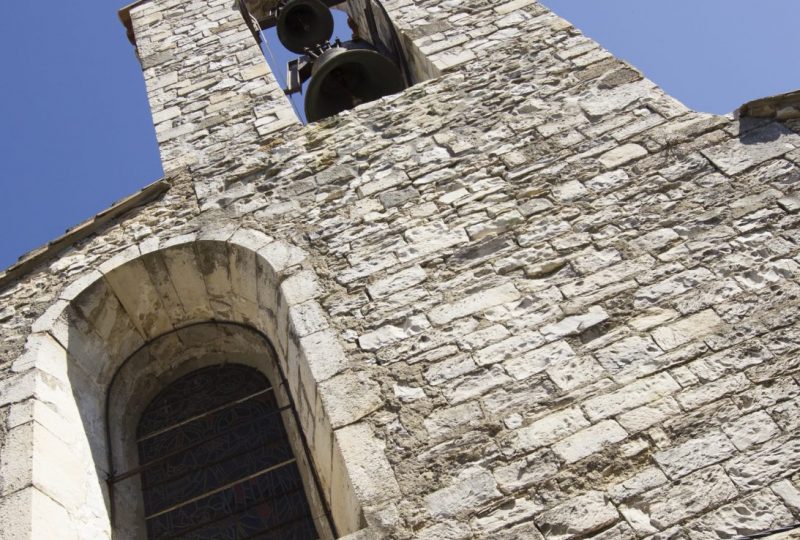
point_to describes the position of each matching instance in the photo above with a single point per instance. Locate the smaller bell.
(302, 24)
(347, 75)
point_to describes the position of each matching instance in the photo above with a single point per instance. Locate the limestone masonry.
(531, 297)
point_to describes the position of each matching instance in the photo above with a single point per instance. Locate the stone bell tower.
(531, 296)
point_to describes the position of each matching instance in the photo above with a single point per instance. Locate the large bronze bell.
(302, 24)
(347, 75)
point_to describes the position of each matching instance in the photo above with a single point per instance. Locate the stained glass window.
(216, 462)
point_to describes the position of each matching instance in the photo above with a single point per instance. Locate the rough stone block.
(349, 397)
(445, 422)
(574, 325)
(765, 464)
(571, 373)
(687, 329)
(532, 362)
(622, 155)
(752, 429)
(695, 454)
(753, 148)
(590, 440)
(664, 506)
(473, 488)
(496, 524)
(526, 472)
(370, 473)
(642, 481)
(475, 384)
(699, 396)
(577, 517)
(631, 396)
(402, 280)
(648, 415)
(474, 303)
(549, 429)
(755, 514)
(627, 352)
(509, 348)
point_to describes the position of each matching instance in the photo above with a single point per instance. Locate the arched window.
(216, 461)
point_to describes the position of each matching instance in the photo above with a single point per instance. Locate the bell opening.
(295, 35)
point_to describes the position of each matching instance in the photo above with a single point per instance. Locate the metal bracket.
(297, 72)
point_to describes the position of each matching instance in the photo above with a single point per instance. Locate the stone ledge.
(74, 235)
(781, 107)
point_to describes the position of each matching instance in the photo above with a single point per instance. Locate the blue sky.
(76, 133)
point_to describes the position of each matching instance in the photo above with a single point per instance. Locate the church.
(492, 283)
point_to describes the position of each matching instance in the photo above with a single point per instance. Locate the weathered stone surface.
(630, 396)
(474, 303)
(550, 429)
(660, 508)
(397, 282)
(753, 148)
(574, 325)
(527, 364)
(751, 429)
(685, 330)
(639, 483)
(753, 515)
(622, 155)
(473, 488)
(496, 524)
(445, 422)
(527, 471)
(645, 416)
(578, 516)
(349, 397)
(627, 352)
(765, 464)
(590, 440)
(695, 454)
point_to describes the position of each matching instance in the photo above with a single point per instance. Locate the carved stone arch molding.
(141, 320)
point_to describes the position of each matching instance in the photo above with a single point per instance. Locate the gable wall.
(577, 297)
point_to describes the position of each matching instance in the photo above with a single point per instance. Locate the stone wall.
(210, 89)
(576, 299)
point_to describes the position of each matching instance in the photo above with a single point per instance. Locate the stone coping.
(781, 107)
(262, 14)
(125, 17)
(37, 256)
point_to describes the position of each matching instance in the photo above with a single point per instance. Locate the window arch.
(106, 351)
(217, 463)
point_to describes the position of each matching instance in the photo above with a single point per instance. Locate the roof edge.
(74, 235)
(781, 107)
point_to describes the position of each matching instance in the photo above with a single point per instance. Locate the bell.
(302, 24)
(347, 75)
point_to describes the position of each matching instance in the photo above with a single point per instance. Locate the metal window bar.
(222, 407)
(150, 464)
(222, 488)
(248, 450)
(242, 511)
(181, 402)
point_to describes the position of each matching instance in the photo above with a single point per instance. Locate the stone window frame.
(250, 279)
(161, 362)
